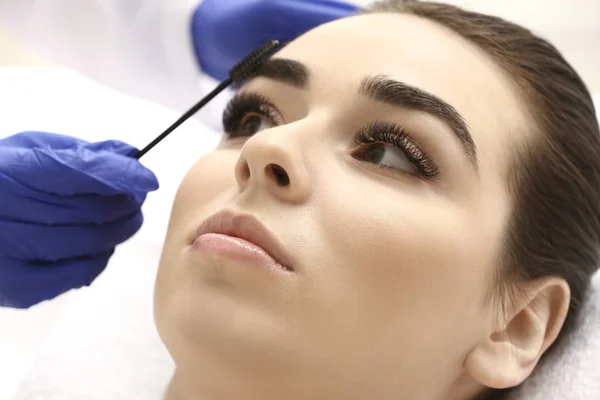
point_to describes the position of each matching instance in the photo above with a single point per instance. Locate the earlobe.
(507, 357)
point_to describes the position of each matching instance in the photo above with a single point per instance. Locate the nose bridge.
(274, 160)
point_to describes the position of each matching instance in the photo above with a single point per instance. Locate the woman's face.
(391, 144)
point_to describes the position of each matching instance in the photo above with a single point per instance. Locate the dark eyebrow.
(286, 71)
(396, 93)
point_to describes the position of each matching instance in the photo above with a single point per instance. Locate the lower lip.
(236, 249)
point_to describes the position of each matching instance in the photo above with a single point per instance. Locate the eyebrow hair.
(396, 93)
(384, 89)
(286, 71)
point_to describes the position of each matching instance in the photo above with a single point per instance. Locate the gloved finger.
(25, 284)
(55, 141)
(22, 203)
(302, 15)
(226, 31)
(22, 241)
(113, 146)
(41, 140)
(80, 170)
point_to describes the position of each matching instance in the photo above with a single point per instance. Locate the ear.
(508, 356)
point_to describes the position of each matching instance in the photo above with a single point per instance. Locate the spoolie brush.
(244, 70)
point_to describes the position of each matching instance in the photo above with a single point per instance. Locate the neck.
(176, 391)
(181, 388)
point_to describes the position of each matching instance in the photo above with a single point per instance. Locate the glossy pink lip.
(242, 238)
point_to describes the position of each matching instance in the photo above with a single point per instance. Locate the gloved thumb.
(103, 168)
(109, 168)
(114, 146)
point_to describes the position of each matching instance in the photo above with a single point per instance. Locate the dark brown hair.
(554, 229)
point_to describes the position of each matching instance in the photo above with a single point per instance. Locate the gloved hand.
(64, 206)
(226, 31)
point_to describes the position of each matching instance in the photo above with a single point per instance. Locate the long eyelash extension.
(394, 135)
(242, 104)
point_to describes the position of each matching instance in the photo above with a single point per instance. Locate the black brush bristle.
(249, 65)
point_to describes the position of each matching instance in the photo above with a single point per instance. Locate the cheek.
(404, 260)
(200, 194)
(210, 179)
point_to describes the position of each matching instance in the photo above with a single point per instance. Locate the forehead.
(424, 54)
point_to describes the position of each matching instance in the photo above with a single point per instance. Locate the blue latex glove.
(226, 31)
(64, 206)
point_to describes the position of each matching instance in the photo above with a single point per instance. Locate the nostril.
(280, 175)
(245, 172)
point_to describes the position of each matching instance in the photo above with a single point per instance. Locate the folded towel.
(105, 346)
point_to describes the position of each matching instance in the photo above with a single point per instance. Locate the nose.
(267, 162)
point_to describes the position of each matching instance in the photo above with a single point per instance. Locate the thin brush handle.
(240, 72)
(222, 86)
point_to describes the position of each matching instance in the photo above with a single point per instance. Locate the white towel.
(106, 346)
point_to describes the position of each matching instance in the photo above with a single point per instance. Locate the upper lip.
(246, 227)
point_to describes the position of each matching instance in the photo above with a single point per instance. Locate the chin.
(205, 320)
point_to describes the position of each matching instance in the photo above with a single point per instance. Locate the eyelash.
(244, 104)
(395, 136)
(241, 106)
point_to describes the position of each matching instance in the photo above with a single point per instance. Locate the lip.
(242, 237)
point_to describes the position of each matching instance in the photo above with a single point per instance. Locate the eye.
(252, 124)
(389, 146)
(247, 114)
(386, 156)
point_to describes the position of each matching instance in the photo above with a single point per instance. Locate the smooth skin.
(392, 271)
